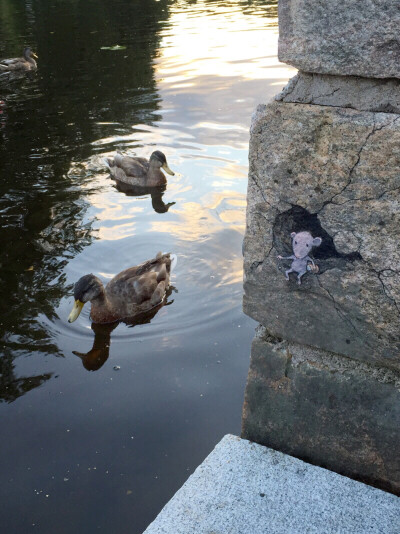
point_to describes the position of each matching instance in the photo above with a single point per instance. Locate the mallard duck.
(139, 171)
(19, 63)
(131, 292)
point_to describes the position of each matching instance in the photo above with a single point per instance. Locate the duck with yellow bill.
(20, 64)
(130, 293)
(139, 171)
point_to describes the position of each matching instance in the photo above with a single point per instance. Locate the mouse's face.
(303, 242)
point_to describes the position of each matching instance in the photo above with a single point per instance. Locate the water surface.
(99, 444)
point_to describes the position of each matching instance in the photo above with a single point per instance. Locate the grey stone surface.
(333, 411)
(364, 94)
(346, 37)
(243, 488)
(335, 173)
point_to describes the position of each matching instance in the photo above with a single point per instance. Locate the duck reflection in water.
(159, 206)
(99, 353)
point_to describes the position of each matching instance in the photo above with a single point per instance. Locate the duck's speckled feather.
(133, 291)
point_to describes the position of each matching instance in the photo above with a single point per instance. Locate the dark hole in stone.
(382, 223)
(295, 182)
(348, 341)
(298, 219)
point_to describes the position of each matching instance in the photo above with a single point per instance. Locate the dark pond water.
(104, 450)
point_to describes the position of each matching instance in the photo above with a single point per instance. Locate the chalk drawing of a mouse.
(302, 244)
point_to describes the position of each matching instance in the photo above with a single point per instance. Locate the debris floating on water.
(115, 47)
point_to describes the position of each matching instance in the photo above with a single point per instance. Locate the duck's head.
(158, 159)
(28, 53)
(86, 289)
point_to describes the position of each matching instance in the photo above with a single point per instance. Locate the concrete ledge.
(244, 488)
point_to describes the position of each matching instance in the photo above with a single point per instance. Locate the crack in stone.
(353, 168)
(341, 314)
(369, 199)
(255, 264)
(387, 269)
(253, 177)
(385, 290)
(314, 98)
(272, 246)
(379, 276)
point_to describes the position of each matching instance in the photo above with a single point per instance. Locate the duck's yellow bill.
(34, 55)
(76, 310)
(167, 169)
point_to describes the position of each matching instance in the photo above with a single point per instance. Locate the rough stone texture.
(364, 94)
(346, 37)
(336, 173)
(243, 488)
(321, 407)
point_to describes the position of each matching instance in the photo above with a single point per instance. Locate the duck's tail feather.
(173, 258)
(174, 261)
(112, 162)
(118, 158)
(108, 163)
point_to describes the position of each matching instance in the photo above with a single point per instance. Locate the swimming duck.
(139, 171)
(19, 63)
(131, 292)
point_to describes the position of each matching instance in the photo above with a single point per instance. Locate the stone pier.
(324, 378)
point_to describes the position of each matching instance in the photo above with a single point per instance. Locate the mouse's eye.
(307, 245)
(295, 242)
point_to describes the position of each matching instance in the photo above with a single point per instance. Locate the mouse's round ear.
(292, 234)
(316, 241)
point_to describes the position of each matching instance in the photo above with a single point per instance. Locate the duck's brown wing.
(145, 282)
(154, 264)
(11, 61)
(137, 167)
(16, 63)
